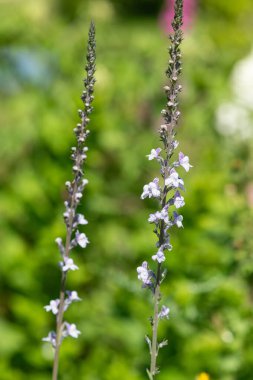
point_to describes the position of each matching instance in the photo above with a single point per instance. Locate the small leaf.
(148, 342)
(149, 375)
(162, 344)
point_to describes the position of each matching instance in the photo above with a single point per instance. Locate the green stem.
(155, 322)
(59, 329)
(59, 321)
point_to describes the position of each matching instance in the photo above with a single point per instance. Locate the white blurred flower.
(232, 118)
(236, 117)
(242, 81)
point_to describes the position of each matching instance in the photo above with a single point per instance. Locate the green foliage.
(210, 272)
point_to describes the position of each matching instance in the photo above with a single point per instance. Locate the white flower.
(73, 296)
(178, 219)
(184, 161)
(71, 330)
(174, 180)
(159, 256)
(178, 200)
(81, 219)
(151, 190)
(154, 218)
(144, 273)
(242, 81)
(154, 154)
(68, 264)
(85, 182)
(81, 239)
(51, 338)
(175, 144)
(160, 215)
(164, 313)
(53, 306)
(233, 119)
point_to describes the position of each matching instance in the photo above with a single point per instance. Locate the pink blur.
(189, 12)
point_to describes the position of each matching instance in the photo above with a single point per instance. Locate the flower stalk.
(72, 218)
(166, 189)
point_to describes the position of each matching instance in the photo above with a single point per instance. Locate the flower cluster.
(69, 329)
(71, 296)
(167, 189)
(73, 220)
(170, 199)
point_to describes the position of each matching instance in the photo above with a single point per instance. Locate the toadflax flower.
(174, 180)
(164, 313)
(178, 219)
(71, 330)
(184, 161)
(159, 256)
(166, 189)
(81, 239)
(151, 190)
(51, 338)
(72, 296)
(144, 274)
(178, 200)
(72, 219)
(53, 306)
(68, 264)
(154, 154)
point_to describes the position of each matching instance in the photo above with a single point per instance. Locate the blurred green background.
(209, 286)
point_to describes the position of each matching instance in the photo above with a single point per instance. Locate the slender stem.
(76, 186)
(154, 332)
(58, 330)
(167, 135)
(62, 290)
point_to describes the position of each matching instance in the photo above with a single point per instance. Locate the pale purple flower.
(174, 180)
(144, 274)
(184, 161)
(51, 338)
(72, 295)
(160, 215)
(166, 244)
(71, 330)
(175, 144)
(151, 190)
(154, 154)
(165, 216)
(159, 256)
(178, 219)
(80, 219)
(154, 218)
(157, 216)
(68, 264)
(164, 313)
(81, 239)
(178, 200)
(53, 306)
